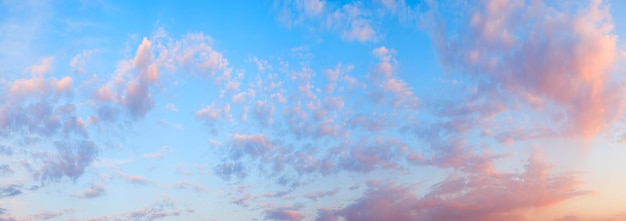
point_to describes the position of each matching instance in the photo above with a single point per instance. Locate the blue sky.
(312, 110)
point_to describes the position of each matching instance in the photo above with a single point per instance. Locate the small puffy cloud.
(131, 87)
(189, 185)
(104, 94)
(153, 155)
(227, 170)
(243, 200)
(5, 150)
(211, 113)
(171, 107)
(320, 194)
(107, 113)
(360, 30)
(264, 112)
(195, 54)
(95, 190)
(157, 155)
(312, 7)
(138, 99)
(39, 86)
(144, 56)
(351, 21)
(70, 161)
(252, 145)
(283, 214)
(392, 89)
(46, 215)
(10, 191)
(42, 68)
(365, 157)
(159, 210)
(6, 169)
(133, 179)
(79, 61)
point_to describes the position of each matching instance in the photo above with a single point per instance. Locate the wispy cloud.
(95, 190)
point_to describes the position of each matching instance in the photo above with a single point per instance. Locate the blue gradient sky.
(312, 110)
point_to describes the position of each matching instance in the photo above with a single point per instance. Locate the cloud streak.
(479, 196)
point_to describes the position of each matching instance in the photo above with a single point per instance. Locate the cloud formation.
(303, 132)
(10, 191)
(38, 111)
(478, 196)
(547, 57)
(96, 190)
(351, 21)
(283, 214)
(70, 160)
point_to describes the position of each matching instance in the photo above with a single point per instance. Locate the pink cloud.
(134, 179)
(132, 88)
(320, 194)
(365, 157)
(333, 103)
(46, 215)
(286, 214)
(478, 196)
(542, 55)
(355, 21)
(158, 210)
(96, 190)
(360, 30)
(44, 67)
(133, 94)
(194, 53)
(313, 7)
(211, 114)
(263, 112)
(38, 86)
(138, 99)
(189, 185)
(392, 89)
(243, 200)
(143, 57)
(372, 124)
(253, 145)
(157, 155)
(351, 21)
(80, 60)
(105, 94)
(32, 108)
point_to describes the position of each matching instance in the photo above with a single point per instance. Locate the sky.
(313, 110)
